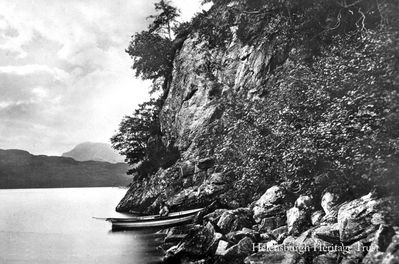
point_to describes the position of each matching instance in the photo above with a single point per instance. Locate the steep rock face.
(194, 98)
(277, 100)
(193, 104)
(363, 216)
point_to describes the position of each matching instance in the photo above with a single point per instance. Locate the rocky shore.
(277, 229)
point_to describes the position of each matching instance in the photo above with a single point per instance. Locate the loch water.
(57, 226)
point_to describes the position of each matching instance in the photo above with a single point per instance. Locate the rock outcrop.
(361, 217)
(280, 124)
(231, 68)
(366, 231)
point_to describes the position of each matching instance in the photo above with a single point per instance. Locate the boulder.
(269, 211)
(361, 217)
(279, 231)
(215, 242)
(197, 243)
(235, 220)
(381, 240)
(273, 195)
(326, 259)
(269, 203)
(243, 248)
(225, 222)
(206, 163)
(354, 253)
(304, 202)
(271, 257)
(199, 177)
(217, 178)
(236, 236)
(297, 221)
(221, 248)
(196, 196)
(331, 216)
(272, 222)
(391, 255)
(316, 217)
(329, 233)
(331, 198)
(215, 215)
(279, 234)
(187, 168)
(266, 237)
(307, 242)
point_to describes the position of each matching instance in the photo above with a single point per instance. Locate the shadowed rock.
(361, 217)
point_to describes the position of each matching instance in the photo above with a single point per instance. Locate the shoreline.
(259, 233)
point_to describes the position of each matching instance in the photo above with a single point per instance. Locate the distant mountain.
(94, 151)
(20, 169)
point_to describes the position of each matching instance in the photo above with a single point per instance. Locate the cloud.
(57, 73)
(64, 75)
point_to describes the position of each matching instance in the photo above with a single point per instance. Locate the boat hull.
(149, 224)
(153, 217)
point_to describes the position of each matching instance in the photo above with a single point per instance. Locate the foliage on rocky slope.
(303, 93)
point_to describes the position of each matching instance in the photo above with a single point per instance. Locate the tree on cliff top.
(151, 50)
(165, 20)
(139, 135)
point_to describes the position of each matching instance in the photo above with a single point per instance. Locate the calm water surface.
(56, 226)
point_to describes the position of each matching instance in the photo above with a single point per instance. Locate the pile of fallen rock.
(277, 230)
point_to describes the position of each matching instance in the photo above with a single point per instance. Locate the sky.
(64, 75)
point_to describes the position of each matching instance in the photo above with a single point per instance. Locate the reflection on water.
(56, 226)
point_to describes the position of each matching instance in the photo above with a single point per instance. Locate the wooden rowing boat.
(150, 217)
(153, 221)
(156, 223)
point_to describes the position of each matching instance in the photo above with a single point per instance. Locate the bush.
(139, 139)
(151, 54)
(329, 109)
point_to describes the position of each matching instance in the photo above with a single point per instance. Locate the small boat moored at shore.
(156, 223)
(153, 221)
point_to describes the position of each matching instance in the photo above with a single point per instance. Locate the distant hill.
(20, 169)
(94, 151)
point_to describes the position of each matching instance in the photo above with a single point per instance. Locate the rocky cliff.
(265, 92)
(298, 95)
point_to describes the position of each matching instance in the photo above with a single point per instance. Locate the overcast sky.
(64, 75)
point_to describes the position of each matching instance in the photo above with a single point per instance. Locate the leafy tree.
(134, 134)
(152, 49)
(165, 21)
(151, 54)
(135, 131)
(139, 139)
